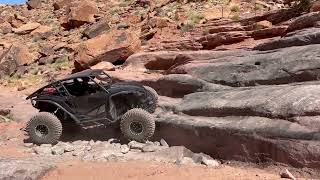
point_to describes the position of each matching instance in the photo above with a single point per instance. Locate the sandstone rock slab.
(12, 58)
(27, 28)
(298, 38)
(24, 168)
(97, 28)
(304, 21)
(110, 47)
(33, 4)
(79, 13)
(5, 28)
(282, 102)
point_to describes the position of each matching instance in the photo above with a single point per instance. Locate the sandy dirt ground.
(77, 170)
(11, 145)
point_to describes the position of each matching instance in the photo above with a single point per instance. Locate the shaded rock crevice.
(259, 145)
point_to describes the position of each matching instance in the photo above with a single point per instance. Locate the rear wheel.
(44, 128)
(137, 124)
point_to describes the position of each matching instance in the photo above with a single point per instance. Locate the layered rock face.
(247, 105)
(235, 68)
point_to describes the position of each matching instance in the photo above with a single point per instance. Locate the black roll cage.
(86, 73)
(90, 77)
(69, 106)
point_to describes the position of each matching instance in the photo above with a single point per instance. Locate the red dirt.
(147, 171)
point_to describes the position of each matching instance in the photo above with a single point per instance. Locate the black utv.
(91, 97)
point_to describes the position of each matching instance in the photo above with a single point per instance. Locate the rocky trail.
(238, 84)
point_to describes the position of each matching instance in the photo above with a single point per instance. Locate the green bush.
(258, 7)
(193, 19)
(235, 8)
(187, 26)
(235, 18)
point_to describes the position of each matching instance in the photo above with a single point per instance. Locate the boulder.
(43, 149)
(46, 50)
(46, 60)
(24, 168)
(150, 148)
(263, 24)
(5, 112)
(57, 150)
(5, 28)
(298, 38)
(97, 29)
(27, 28)
(106, 66)
(315, 7)
(211, 41)
(304, 21)
(79, 13)
(173, 154)
(185, 161)
(14, 21)
(210, 162)
(12, 58)
(269, 32)
(20, 17)
(133, 19)
(164, 143)
(61, 3)
(33, 4)
(287, 174)
(124, 149)
(160, 22)
(110, 47)
(136, 145)
(42, 32)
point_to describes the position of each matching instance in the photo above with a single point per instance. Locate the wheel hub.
(136, 128)
(42, 130)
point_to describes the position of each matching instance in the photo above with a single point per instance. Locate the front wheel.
(44, 128)
(137, 124)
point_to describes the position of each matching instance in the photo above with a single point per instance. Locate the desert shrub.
(258, 7)
(193, 19)
(235, 8)
(235, 17)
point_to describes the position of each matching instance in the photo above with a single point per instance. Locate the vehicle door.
(88, 97)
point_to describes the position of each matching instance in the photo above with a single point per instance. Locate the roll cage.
(87, 96)
(91, 74)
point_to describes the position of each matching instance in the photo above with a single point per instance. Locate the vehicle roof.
(85, 73)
